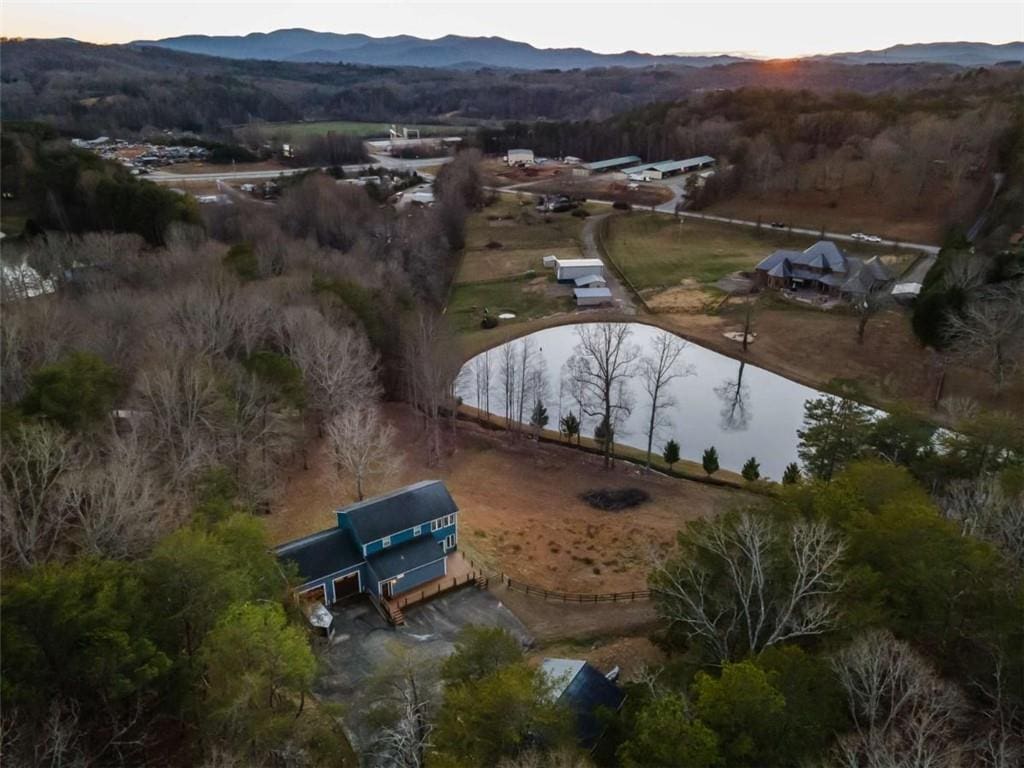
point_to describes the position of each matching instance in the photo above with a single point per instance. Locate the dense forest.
(151, 403)
(88, 89)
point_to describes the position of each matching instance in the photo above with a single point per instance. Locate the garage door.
(346, 586)
(315, 595)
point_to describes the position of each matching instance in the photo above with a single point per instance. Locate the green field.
(658, 251)
(357, 129)
(523, 297)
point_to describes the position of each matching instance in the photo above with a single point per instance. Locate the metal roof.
(588, 279)
(405, 508)
(586, 691)
(592, 293)
(321, 554)
(614, 162)
(580, 263)
(666, 166)
(400, 559)
(823, 253)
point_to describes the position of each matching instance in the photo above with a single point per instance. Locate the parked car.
(778, 224)
(859, 236)
(873, 238)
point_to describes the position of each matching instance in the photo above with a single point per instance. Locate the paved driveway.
(365, 648)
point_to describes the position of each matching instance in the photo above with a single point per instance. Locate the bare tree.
(867, 306)
(362, 445)
(117, 506)
(183, 407)
(430, 366)
(991, 331)
(735, 397)
(903, 712)
(605, 359)
(508, 375)
(338, 365)
(746, 583)
(657, 371)
(34, 513)
(983, 509)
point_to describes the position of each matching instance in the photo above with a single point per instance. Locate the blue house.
(382, 546)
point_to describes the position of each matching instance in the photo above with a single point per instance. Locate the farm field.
(358, 129)
(656, 251)
(520, 507)
(502, 266)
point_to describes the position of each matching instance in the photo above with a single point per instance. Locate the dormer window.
(417, 530)
(386, 541)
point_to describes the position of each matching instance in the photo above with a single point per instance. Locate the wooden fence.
(574, 597)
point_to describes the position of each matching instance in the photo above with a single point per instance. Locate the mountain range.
(455, 52)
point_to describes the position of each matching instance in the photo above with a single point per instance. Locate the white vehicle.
(873, 238)
(633, 185)
(859, 236)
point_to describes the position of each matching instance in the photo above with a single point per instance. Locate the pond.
(740, 409)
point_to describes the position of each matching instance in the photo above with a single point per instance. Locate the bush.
(494, 245)
(580, 213)
(489, 321)
(751, 470)
(621, 205)
(710, 461)
(615, 499)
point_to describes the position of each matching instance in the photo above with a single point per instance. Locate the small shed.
(570, 269)
(320, 619)
(519, 157)
(592, 297)
(590, 281)
(551, 261)
(585, 691)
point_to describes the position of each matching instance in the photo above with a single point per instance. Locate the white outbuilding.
(592, 297)
(520, 157)
(569, 269)
(590, 281)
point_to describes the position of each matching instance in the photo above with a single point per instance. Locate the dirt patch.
(686, 298)
(552, 621)
(520, 508)
(601, 187)
(616, 499)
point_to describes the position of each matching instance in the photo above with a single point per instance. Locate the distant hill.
(449, 52)
(961, 54)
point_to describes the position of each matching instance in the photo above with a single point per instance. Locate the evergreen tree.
(710, 461)
(571, 427)
(836, 431)
(539, 417)
(671, 453)
(751, 470)
(791, 476)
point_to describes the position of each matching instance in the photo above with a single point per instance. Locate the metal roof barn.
(615, 162)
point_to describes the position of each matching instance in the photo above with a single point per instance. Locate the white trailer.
(592, 297)
(569, 269)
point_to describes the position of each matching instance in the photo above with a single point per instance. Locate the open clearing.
(520, 507)
(601, 187)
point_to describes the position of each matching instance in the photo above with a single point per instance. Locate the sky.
(770, 29)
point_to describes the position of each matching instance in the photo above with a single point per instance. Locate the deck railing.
(440, 587)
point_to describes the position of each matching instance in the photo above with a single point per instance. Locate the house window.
(435, 524)
(417, 530)
(449, 542)
(386, 541)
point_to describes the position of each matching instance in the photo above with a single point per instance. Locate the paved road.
(165, 177)
(669, 208)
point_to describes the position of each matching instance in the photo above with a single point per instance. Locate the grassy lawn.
(360, 130)
(525, 298)
(657, 251)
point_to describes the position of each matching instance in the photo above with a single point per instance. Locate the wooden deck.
(461, 573)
